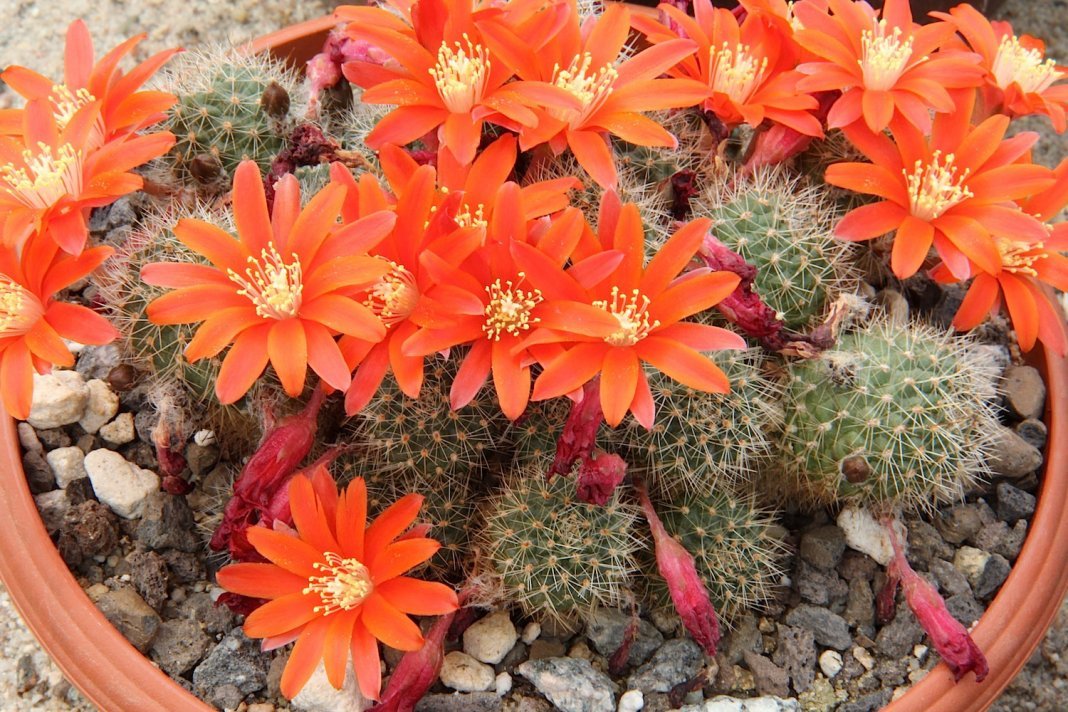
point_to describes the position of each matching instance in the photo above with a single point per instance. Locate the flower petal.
(281, 614)
(285, 550)
(389, 625)
(243, 364)
(417, 597)
(304, 657)
(401, 556)
(287, 348)
(260, 580)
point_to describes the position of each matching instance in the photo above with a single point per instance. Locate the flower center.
(47, 177)
(346, 584)
(591, 88)
(460, 75)
(935, 187)
(509, 308)
(273, 286)
(20, 309)
(632, 313)
(1017, 64)
(65, 103)
(394, 296)
(1020, 257)
(883, 56)
(735, 72)
(464, 217)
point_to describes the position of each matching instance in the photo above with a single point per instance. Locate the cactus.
(703, 439)
(735, 547)
(231, 107)
(533, 437)
(556, 555)
(784, 229)
(894, 416)
(653, 167)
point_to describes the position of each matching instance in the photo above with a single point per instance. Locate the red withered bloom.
(1019, 78)
(953, 190)
(336, 586)
(585, 62)
(33, 324)
(632, 315)
(885, 65)
(51, 175)
(123, 108)
(748, 67)
(280, 292)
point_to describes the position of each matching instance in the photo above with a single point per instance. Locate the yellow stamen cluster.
(345, 585)
(1020, 257)
(465, 217)
(460, 75)
(632, 313)
(735, 72)
(394, 296)
(1016, 64)
(591, 88)
(48, 176)
(884, 57)
(509, 308)
(935, 187)
(65, 103)
(272, 286)
(20, 309)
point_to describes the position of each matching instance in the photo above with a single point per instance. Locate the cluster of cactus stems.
(646, 480)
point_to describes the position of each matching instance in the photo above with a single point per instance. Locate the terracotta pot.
(112, 674)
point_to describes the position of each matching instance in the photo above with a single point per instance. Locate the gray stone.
(949, 579)
(59, 398)
(745, 636)
(823, 547)
(199, 607)
(997, 538)
(489, 639)
(770, 679)
(179, 645)
(857, 565)
(134, 618)
(226, 697)
(675, 662)
(926, 543)
(1033, 431)
(896, 638)
(52, 506)
(1012, 456)
(571, 684)
(860, 607)
(149, 575)
(201, 458)
(959, 523)
(964, 608)
(28, 438)
(994, 574)
(894, 305)
(470, 702)
(237, 661)
(97, 361)
(39, 477)
(52, 438)
(167, 523)
(1025, 391)
(88, 529)
(606, 628)
(872, 702)
(1014, 503)
(818, 586)
(795, 653)
(829, 628)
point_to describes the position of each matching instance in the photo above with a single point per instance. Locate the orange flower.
(51, 175)
(124, 109)
(749, 68)
(446, 78)
(884, 66)
(280, 292)
(953, 190)
(335, 586)
(1019, 79)
(611, 94)
(633, 315)
(33, 325)
(1025, 265)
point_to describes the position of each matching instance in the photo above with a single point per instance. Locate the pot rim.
(119, 678)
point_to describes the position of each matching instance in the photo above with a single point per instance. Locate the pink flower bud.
(688, 592)
(598, 477)
(579, 437)
(416, 671)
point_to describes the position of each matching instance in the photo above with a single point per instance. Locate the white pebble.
(490, 638)
(102, 406)
(502, 685)
(121, 485)
(866, 534)
(28, 438)
(318, 695)
(531, 632)
(863, 657)
(59, 398)
(461, 672)
(119, 431)
(67, 463)
(631, 701)
(830, 663)
(204, 437)
(971, 562)
(920, 652)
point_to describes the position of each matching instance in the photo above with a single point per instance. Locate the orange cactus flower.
(953, 190)
(585, 62)
(749, 68)
(336, 584)
(885, 66)
(1019, 78)
(280, 292)
(632, 315)
(446, 79)
(33, 324)
(123, 109)
(50, 175)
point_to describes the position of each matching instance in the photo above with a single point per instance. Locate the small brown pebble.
(122, 378)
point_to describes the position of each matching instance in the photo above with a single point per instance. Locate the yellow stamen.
(1020, 257)
(591, 88)
(47, 177)
(20, 308)
(464, 217)
(735, 72)
(460, 75)
(65, 103)
(394, 296)
(273, 286)
(345, 585)
(884, 57)
(632, 313)
(935, 187)
(1017, 64)
(509, 308)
